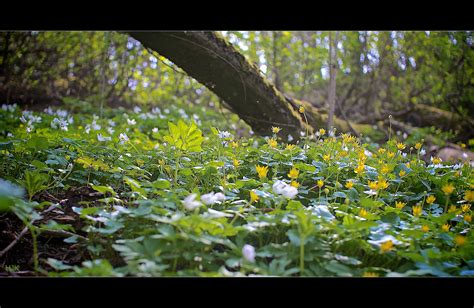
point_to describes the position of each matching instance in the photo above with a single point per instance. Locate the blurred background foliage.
(378, 73)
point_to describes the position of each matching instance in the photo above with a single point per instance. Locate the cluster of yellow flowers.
(378, 185)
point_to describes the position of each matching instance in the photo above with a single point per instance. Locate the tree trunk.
(215, 63)
(332, 79)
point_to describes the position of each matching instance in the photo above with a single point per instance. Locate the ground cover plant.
(158, 191)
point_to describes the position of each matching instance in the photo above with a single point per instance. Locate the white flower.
(137, 109)
(155, 130)
(404, 155)
(248, 251)
(287, 191)
(59, 123)
(49, 110)
(405, 136)
(224, 134)
(220, 197)
(95, 126)
(131, 122)
(290, 192)
(102, 138)
(9, 108)
(61, 113)
(422, 152)
(367, 153)
(457, 166)
(111, 123)
(190, 203)
(464, 155)
(110, 130)
(278, 187)
(123, 138)
(208, 199)
(290, 138)
(211, 198)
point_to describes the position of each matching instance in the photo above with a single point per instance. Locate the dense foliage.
(176, 191)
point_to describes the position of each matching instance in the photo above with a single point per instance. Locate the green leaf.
(161, 184)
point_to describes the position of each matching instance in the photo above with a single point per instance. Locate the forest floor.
(175, 192)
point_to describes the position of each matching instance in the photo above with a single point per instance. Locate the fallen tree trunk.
(215, 63)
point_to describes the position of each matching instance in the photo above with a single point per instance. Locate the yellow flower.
(236, 163)
(430, 199)
(360, 169)
(320, 183)
(390, 154)
(363, 213)
(418, 145)
(295, 184)
(402, 173)
(401, 146)
(417, 209)
(386, 246)
(322, 131)
(408, 165)
(445, 227)
(362, 156)
(343, 153)
(468, 217)
(436, 160)
(262, 171)
(382, 184)
(326, 191)
(326, 157)
(400, 205)
(253, 197)
(425, 228)
(293, 173)
(382, 150)
(272, 142)
(465, 207)
(349, 184)
(370, 274)
(463, 145)
(448, 189)
(385, 169)
(452, 208)
(301, 110)
(460, 240)
(290, 146)
(347, 138)
(234, 144)
(372, 185)
(469, 196)
(275, 129)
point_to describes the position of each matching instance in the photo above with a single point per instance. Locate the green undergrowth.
(179, 193)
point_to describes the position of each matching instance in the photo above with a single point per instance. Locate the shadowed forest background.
(423, 79)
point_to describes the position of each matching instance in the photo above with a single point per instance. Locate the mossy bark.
(215, 63)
